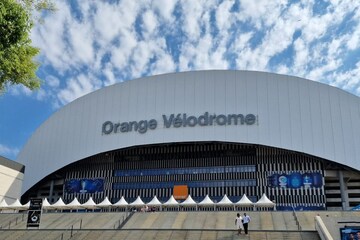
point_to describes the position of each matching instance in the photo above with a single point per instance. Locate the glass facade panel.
(197, 184)
(181, 171)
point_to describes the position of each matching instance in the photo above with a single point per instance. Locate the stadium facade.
(216, 132)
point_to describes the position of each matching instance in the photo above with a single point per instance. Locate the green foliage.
(16, 53)
(17, 66)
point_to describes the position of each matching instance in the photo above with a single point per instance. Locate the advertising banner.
(296, 180)
(34, 213)
(350, 233)
(180, 192)
(84, 185)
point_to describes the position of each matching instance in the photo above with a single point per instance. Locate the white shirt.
(239, 222)
(247, 219)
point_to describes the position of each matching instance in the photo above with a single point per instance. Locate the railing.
(296, 219)
(124, 220)
(69, 230)
(321, 229)
(13, 222)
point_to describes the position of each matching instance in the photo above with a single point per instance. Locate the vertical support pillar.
(51, 191)
(343, 192)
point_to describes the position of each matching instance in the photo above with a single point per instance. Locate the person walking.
(239, 223)
(246, 220)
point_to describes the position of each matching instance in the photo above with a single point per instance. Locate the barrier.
(321, 229)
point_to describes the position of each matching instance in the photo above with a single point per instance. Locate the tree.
(17, 64)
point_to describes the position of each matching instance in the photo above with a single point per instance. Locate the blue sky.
(87, 45)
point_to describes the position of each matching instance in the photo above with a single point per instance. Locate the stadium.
(204, 134)
(214, 132)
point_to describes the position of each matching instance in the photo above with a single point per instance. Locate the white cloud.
(41, 94)
(318, 50)
(49, 37)
(18, 90)
(274, 42)
(282, 69)
(348, 80)
(203, 55)
(194, 17)
(318, 72)
(261, 12)
(129, 39)
(111, 19)
(77, 87)
(120, 55)
(142, 54)
(165, 8)
(52, 81)
(109, 74)
(165, 64)
(81, 43)
(9, 152)
(223, 15)
(301, 56)
(149, 24)
(241, 42)
(353, 42)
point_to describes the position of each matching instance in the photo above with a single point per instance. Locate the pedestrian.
(246, 220)
(239, 223)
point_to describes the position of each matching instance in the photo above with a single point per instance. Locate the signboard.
(34, 213)
(350, 233)
(178, 121)
(84, 185)
(180, 192)
(296, 180)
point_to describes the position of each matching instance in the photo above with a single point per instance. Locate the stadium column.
(51, 190)
(343, 192)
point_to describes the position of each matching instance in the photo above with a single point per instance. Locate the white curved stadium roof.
(273, 110)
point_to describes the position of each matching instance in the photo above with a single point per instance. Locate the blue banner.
(84, 185)
(296, 180)
(350, 233)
